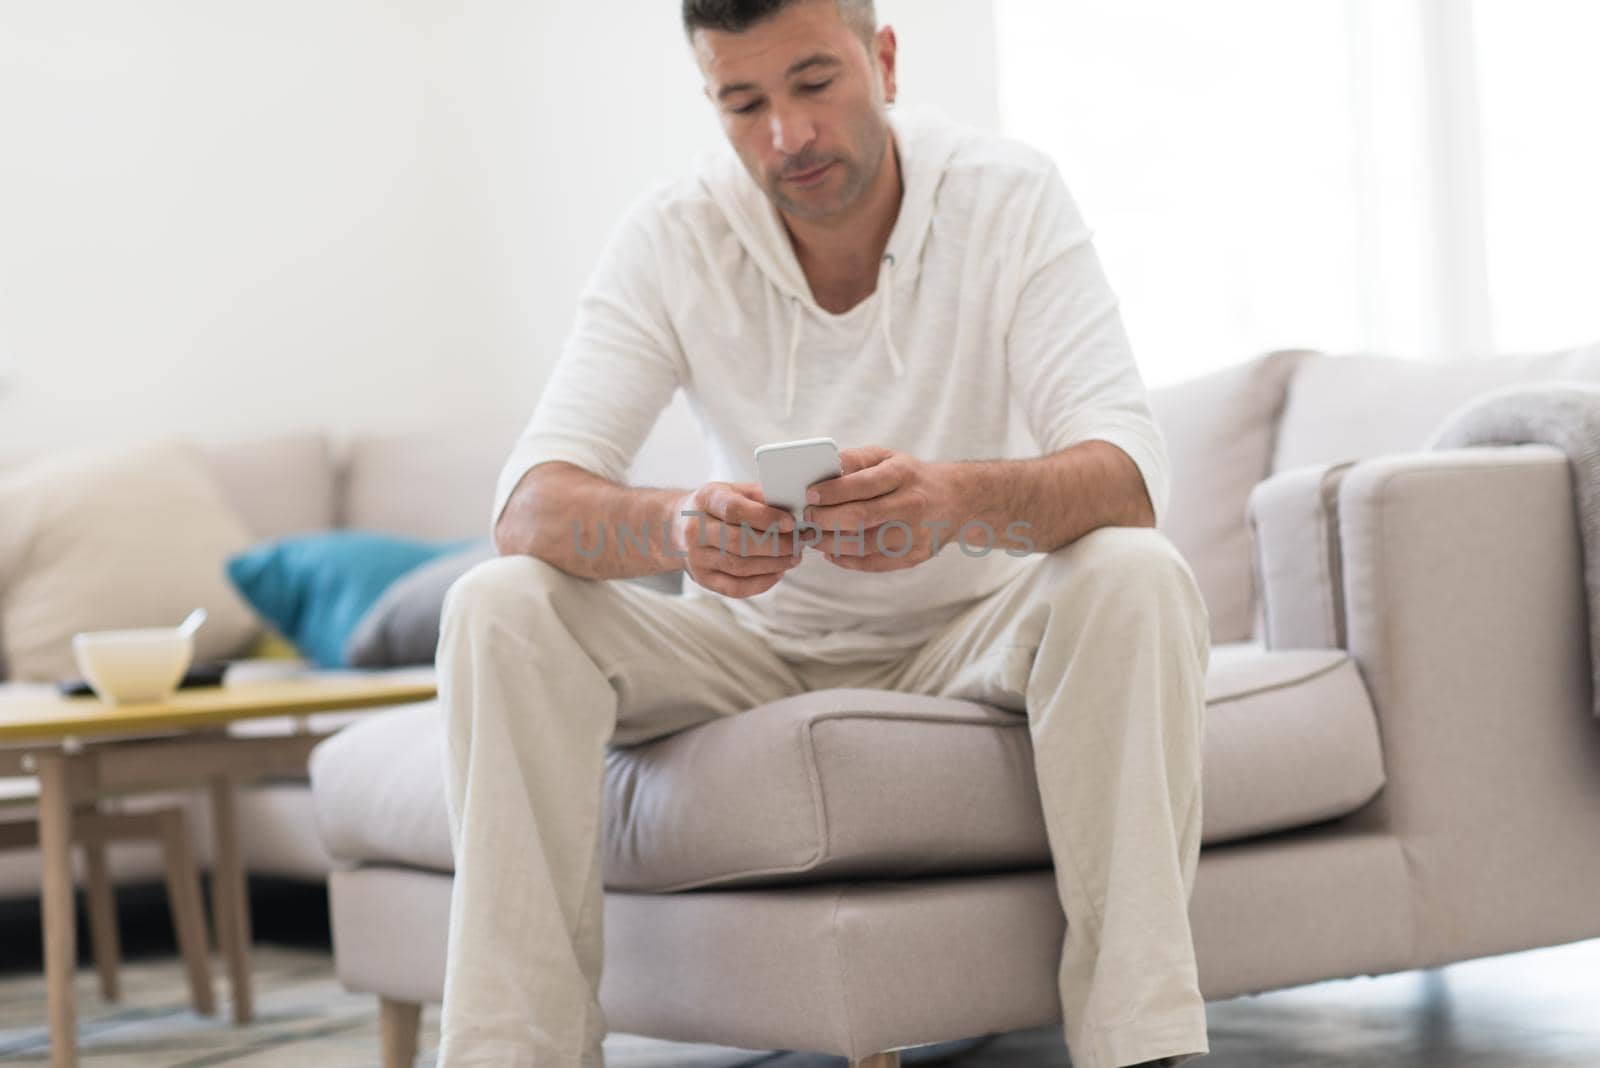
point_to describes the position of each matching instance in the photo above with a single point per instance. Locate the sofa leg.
(398, 1023)
(879, 1060)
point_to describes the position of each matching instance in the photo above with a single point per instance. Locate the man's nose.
(792, 130)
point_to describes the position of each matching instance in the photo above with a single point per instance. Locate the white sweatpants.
(1104, 644)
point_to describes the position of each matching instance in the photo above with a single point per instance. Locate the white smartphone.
(787, 468)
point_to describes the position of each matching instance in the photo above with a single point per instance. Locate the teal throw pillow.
(314, 588)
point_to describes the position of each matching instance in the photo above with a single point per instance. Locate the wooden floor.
(1539, 1009)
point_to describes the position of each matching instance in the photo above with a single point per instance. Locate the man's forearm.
(1061, 496)
(589, 526)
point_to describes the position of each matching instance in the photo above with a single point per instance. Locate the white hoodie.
(992, 335)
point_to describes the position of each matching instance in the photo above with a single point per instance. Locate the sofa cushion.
(1357, 407)
(861, 783)
(113, 537)
(1219, 431)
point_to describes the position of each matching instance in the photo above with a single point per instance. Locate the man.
(929, 296)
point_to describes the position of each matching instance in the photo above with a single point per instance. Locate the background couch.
(433, 482)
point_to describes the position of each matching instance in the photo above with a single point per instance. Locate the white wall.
(225, 218)
(213, 217)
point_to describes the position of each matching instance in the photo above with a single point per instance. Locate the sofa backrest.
(438, 481)
(433, 482)
(280, 484)
(1357, 407)
(1225, 432)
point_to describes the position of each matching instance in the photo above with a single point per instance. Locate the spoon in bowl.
(191, 622)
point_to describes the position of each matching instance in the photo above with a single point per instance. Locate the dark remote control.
(200, 673)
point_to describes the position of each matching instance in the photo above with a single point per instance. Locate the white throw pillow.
(106, 538)
(1220, 430)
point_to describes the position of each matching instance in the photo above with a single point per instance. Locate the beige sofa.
(1400, 768)
(1400, 765)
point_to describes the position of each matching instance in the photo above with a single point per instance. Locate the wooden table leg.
(230, 900)
(103, 934)
(60, 923)
(188, 910)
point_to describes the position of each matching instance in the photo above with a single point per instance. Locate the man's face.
(802, 102)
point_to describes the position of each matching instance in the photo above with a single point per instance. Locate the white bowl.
(124, 666)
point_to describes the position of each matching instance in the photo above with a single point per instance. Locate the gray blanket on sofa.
(1567, 416)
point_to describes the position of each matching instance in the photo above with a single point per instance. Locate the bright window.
(1414, 177)
(1541, 134)
(1209, 147)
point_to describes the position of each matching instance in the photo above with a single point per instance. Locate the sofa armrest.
(1294, 527)
(1464, 608)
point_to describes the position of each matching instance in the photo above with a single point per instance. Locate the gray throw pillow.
(402, 626)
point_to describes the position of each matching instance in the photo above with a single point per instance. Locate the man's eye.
(747, 108)
(817, 87)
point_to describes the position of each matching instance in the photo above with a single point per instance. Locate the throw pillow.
(1220, 430)
(108, 538)
(402, 627)
(314, 588)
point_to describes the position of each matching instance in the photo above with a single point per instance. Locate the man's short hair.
(736, 16)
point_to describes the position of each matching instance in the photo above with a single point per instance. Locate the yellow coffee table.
(83, 751)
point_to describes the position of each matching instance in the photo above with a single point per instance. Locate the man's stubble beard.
(858, 177)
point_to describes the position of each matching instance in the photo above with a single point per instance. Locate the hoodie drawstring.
(885, 293)
(794, 345)
(885, 319)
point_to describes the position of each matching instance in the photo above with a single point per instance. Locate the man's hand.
(887, 511)
(739, 545)
(1018, 506)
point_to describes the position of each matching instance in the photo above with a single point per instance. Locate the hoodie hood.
(925, 145)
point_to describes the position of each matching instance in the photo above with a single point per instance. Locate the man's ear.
(883, 53)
